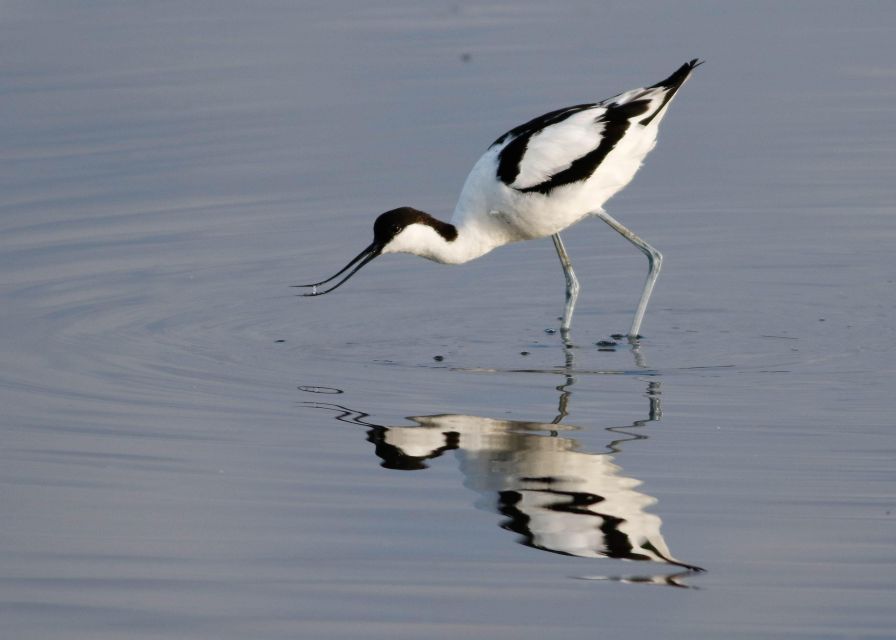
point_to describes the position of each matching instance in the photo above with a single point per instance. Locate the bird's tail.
(677, 79)
(656, 96)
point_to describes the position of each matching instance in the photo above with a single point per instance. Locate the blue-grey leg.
(572, 283)
(654, 261)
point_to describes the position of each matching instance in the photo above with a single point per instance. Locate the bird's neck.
(442, 242)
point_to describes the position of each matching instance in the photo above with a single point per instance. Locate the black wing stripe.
(512, 155)
(672, 84)
(616, 123)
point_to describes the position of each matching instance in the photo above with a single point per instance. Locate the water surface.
(190, 451)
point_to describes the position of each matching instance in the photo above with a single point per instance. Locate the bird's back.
(548, 173)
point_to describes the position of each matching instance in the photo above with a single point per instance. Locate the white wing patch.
(630, 96)
(555, 147)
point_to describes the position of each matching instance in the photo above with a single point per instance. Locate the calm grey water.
(190, 451)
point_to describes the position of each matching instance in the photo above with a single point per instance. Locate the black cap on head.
(390, 224)
(385, 228)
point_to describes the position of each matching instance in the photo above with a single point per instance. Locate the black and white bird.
(535, 181)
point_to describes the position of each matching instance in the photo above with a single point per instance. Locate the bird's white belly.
(531, 216)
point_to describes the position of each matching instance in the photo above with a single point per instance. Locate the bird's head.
(396, 231)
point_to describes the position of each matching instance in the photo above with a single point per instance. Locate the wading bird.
(535, 181)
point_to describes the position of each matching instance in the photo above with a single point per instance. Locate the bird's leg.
(572, 283)
(654, 261)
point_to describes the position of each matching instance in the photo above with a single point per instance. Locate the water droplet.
(314, 289)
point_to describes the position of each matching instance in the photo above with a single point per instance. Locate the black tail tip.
(681, 74)
(685, 69)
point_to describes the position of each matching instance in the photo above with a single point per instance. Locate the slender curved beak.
(360, 260)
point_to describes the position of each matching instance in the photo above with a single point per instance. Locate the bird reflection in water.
(555, 496)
